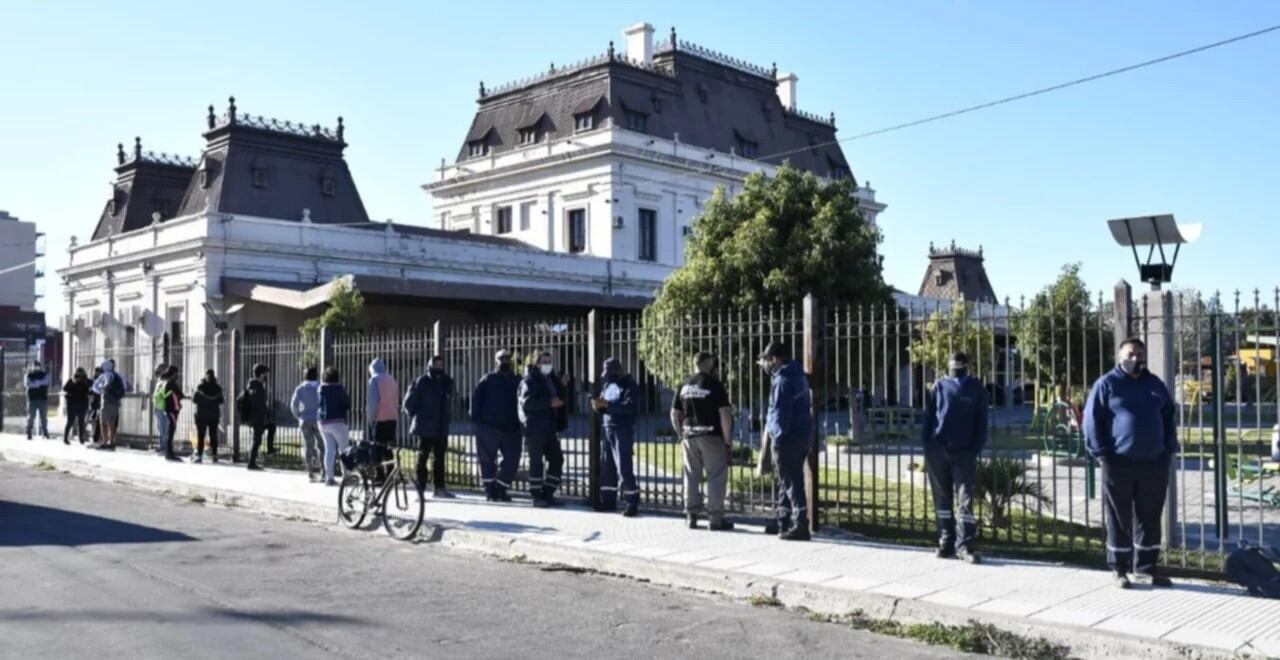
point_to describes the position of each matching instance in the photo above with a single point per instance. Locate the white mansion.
(614, 156)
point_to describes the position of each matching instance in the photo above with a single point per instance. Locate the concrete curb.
(1084, 642)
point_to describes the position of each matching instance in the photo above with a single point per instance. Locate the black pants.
(435, 447)
(385, 432)
(490, 442)
(544, 479)
(951, 477)
(268, 430)
(94, 415)
(172, 431)
(1133, 495)
(75, 420)
(789, 456)
(207, 427)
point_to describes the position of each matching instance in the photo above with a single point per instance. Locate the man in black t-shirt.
(703, 418)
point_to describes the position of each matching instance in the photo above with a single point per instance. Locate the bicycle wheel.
(353, 500)
(403, 507)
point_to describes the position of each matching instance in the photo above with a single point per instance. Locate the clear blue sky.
(1032, 182)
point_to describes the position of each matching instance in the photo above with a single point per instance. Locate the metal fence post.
(233, 387)
(1220, 503)
(437, 339)
(812, 328)
(4, 384)
(595, 353)
(326, 348)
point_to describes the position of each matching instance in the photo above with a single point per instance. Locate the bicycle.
(399, 500)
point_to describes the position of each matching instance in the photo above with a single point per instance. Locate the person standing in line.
(953, 434)
(75, 395)
(790, 427)
(112, 387)
(208, 399)
(158, 396)
(36, 381)
(496, 416)
(259, 412)
(172, 408)
(618, 407)
(382, 412)
(702, 417)
(1130, 426)
(305, 406)
(334, 404)
(95, 408)
(428, 404)
(539, 405)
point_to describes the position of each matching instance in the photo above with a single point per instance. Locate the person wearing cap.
(540, 400)
(1130, 427)
(790, 428)
(618, 406)
(260, 416)
(953, 433)
(703, 418)
(495, 413)
(428, 406)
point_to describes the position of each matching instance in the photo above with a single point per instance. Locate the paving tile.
(808, 577)
(1185, 635)
(1131, 626)
(691, 557)
(1266, 646)
(1009, 607)
(1069, 616)
(900, 590)
(853, 583)
(764, 570)
(726, 563)
(954, 598)
(650, 552)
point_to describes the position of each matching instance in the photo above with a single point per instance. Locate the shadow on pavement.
(202, 615)
(29, 525)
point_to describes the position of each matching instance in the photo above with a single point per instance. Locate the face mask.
(437, 371)
(504, 367)
(545, 369)
(959, 373)
(764, 364)
(1133, 367)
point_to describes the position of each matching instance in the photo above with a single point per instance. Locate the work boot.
(691, 519)
(720, 525)
(632, 510)
(501, 496)
(1159, 580)
(1121, 580)
(968, 556)
(541, 503)
(945, 553)
(172, 457)
(443, 494)
(254, 467)
(798, 533)
(773, 527)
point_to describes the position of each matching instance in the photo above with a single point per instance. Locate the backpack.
(244, 407)
(160, 396)
(1254, 569)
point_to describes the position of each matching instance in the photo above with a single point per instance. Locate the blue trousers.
(490, 442)
(789, 455)
(616, 466)
(38, 408)
(951, 479)
(544, 447)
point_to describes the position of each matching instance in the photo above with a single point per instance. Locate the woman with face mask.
(539, 403)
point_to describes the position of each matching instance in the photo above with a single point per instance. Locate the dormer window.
(747, 148)
(259, 177)
(584, 121)
(111, 207)
(328, 186)
(529, 135)
(160, 206)
(204, 177)
(477, 148)
(637, 121)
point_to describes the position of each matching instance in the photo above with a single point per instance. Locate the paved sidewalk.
(834, 575)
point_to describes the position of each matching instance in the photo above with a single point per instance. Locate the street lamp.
(1154, 232)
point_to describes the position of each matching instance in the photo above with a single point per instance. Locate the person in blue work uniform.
(790, 428)
(1130, 427)
(428, 403)
(618, 406)
(539, 404)
(953, 433)
(496, 415)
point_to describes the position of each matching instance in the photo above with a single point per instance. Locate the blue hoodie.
(955, 415)
(620, 395)
(1134, 418)
(494, 402)
(790, 416)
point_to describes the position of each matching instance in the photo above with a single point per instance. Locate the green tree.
(780, 238)
(1065, 340)
(962, 329)
(342, 315)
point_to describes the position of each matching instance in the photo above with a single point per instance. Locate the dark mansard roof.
(957, 274)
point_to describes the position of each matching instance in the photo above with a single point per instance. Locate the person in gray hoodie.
(305, 406)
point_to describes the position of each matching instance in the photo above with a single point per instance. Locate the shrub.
(1002, 481)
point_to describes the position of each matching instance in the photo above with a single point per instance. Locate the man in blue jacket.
(1130, 426)
(618, 406)
(495, 413)
(539, 405)
(428, 405)
(953, 433)
(790, 428)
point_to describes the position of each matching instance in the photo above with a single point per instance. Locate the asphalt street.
(94, 569)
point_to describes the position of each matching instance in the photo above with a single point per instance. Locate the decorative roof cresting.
(299, 129)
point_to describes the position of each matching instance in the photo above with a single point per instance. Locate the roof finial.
(553, 67)
(673, 37)
(137, 148)
(931, 250)
(610, 50)
(773, 72)
(833, 118)
(953, 245)
(120, 153)
(341, 129)
(231, 108)
(979, 249)
(481, 89)
(212, 119)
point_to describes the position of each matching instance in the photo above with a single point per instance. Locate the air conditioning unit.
(618, 222)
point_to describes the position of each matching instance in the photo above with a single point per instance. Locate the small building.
(21, 272)
(614, 156)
